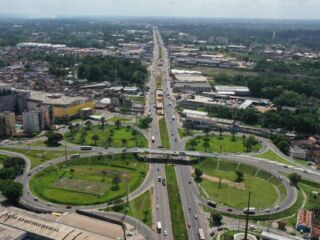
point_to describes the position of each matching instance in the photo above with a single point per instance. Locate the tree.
(118, 123)
(220, 132)
(249, 142)
(240, 176)
(294, 179)
(198, 174)
(188, 125)
(95, 138)
(193, 143)
(109, 141)
(103, 121)
(145, 214)
(13, 191)
(206, 131)
(124, 142)
(53, 139)
(116, 181)
(88, 124)
(206, 145)
(71, 128)
(216, 219)
(233, 132)
(145, 122)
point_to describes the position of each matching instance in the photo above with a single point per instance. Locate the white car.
(276, 207)
(158, 206)
(165, 232)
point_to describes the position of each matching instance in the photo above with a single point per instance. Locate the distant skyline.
(274, 9)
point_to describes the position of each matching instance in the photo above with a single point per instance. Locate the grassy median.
(164, 133)
(177, 218)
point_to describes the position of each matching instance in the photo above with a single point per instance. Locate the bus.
(201, 234)
(212, 204)
(250, 210)
(159, 227)
(86, 148)
(76, 155)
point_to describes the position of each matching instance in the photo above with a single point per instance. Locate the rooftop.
(55, 99)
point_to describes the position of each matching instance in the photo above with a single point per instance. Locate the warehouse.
(232, 90)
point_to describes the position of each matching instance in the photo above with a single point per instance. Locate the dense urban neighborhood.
(154, 129)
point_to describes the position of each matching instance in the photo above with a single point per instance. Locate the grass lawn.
(183, 133)
(89, 181)
(271, 155)
(177, 218)
(165, 142)
(137, 99)
(38, 157)
(115, 118)
(84, 137)
(139, 208)
(223, 144)
(260, 183)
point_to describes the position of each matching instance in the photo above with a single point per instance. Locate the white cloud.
(201, 8)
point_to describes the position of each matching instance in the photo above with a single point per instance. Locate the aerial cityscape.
(159, 125)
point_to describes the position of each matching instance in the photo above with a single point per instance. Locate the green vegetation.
(145, 122)
(139, 208)
(116, 118)
(38, 157)
(176, 211)
(89, 180)
(221, 184)
(213, 143)
(119, 71)
(115, 136)
(271, 155)
(164, 133)
(184, 133)
(137, 99)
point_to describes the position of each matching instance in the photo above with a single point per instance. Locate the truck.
(86, 148)
(201, 234)
(250, 210)
(152, 139)
(159, 227)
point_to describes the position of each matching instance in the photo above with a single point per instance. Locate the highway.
(193, 213)
(160, 206)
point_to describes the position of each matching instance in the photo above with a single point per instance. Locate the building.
(304, 221)
(131, 90)
(85, 113)
(7, 124)
(12, 100)
(38, 119)
(273, 236)
(196, 87)
(63, 107)
(232, 90)
(298, 152)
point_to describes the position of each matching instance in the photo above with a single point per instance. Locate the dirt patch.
(78, 185)
(240, 186)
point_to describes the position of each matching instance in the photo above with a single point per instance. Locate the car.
(36, 199)
(267, 210)
(229, 210)
(195, 216)
(158, 206)
(165, 232)
(220, 228)
(189, 207)
(190, 181)
(305, 171)
(49, 204)
(68, 206)
(286, 166)
(29, 174)
(189, 225)
(281, 178)
(276, 207)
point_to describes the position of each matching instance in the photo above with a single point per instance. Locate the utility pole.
(65, 151)
(247, 219)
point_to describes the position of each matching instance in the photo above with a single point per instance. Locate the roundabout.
(89, 181)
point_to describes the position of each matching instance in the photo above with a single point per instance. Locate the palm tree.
(134, 134)
(118, 123)
(220, 132)
(71, 128)
(95, 138)
(233, 132)
(193, 143)
(109, 141)
(206, 146)
(102, 120)
(124, 142)
(88, 124)
(206, 131)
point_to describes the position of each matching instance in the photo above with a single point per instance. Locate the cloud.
(192, 8)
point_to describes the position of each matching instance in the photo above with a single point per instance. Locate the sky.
(275, 9)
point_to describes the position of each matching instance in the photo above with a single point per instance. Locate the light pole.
(247, 219)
